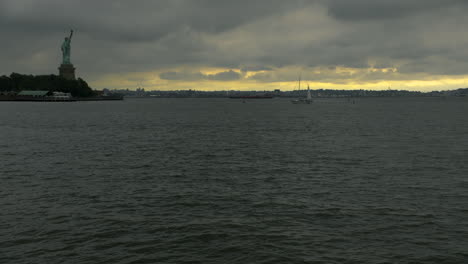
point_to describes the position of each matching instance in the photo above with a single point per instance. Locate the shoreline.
(51, 99)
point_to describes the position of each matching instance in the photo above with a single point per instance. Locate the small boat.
(306, 100)
(60, 97)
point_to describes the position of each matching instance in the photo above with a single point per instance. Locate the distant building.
(34, 94)
(61, 96)
(100, 93)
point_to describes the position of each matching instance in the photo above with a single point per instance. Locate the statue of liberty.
(66, 49)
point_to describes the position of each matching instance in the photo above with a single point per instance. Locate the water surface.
(218, 181)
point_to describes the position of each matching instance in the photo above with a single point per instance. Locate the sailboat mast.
(299, 82)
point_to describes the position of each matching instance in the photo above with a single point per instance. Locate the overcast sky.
(242, 44)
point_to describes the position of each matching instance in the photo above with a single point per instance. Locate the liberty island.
(47, 88)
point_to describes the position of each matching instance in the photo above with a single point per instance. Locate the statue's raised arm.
(71, 35)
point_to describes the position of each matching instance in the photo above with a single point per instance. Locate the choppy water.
(218, 181)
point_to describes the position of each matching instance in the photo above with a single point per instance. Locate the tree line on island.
(53, 83)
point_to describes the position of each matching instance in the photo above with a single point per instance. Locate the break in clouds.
(252, 39)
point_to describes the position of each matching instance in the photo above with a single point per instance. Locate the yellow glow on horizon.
(339, 78)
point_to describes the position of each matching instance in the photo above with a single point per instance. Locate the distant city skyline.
(417, 45)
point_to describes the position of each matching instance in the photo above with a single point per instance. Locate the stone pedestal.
(67, 71)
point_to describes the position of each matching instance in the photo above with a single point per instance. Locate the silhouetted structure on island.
(66, 69)
(64, 87)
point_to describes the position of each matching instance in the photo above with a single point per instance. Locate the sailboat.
(306, 100)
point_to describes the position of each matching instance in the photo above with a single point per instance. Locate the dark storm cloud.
(250, 35)
(198, 76)
(145, 20)
(225, 76)
(255, 68)
(125, 35)
(384, 9)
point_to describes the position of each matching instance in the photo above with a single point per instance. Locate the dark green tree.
(18, 82)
